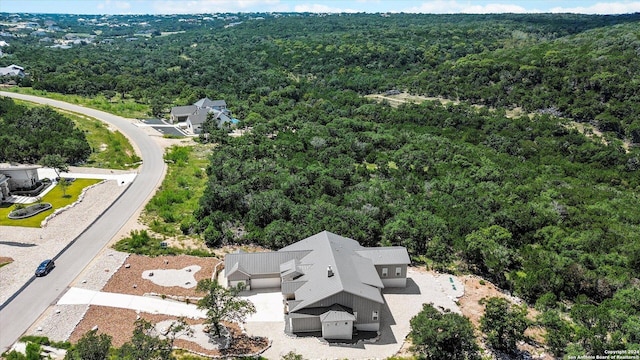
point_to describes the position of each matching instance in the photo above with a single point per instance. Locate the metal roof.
(389, 255)
(309, 260)
(183, 110)
(262, 262)
(337, 316)
(329, 249)
(207, 103)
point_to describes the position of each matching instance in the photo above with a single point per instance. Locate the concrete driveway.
(269, 306)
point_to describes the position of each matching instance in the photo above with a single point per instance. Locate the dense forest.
(28, 134)
(528, 201)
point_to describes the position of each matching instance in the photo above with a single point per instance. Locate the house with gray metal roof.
(330, 284)
(191, 117)
(12, 70)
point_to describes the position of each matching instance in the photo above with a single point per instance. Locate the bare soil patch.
(125, 278)
(469, 303)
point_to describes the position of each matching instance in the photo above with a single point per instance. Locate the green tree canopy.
(504, 324)
(437, 335)
(222, 303)
(90, 346)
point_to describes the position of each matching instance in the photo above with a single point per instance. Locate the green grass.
(55, 197)
(111, 149)
(126, 108)
(170, 211)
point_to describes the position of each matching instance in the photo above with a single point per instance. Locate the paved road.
(24, 308)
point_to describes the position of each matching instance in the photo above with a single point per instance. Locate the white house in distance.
(191, 117)
(330, 284)
(12, 70)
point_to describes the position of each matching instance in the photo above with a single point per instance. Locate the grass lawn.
(55, 197)
(126, 108)
(111, 149)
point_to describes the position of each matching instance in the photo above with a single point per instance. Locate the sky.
(86, 7)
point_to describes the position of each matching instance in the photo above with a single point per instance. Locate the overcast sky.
(371, 6)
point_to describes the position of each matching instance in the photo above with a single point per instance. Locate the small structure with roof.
(330, 284)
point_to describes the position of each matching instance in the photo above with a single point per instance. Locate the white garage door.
(265, 283)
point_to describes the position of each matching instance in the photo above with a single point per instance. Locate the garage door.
(265, 283)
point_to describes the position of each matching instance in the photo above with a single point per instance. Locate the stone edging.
(61, 210)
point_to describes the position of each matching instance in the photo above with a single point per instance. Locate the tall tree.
(91, 346)
(222, 304)
(442, 336)
(504, 324)
(148, 344)
(55, 161)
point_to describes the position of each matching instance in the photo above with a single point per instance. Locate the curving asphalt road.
(20, 311)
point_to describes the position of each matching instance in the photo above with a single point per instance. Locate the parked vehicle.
(45, 267)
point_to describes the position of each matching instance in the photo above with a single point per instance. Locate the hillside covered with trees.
(528, 201)
(29, 134)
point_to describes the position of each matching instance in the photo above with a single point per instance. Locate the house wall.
(362, 308)
(245, 283)
(265, 283)
(307, 324)
(337, 329)
(4, 189)
(391, 279)
(21, 177)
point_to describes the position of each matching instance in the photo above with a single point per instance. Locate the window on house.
(375, 316)
(385, 272)
(398, 271)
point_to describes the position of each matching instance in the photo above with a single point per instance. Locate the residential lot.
(401, 306)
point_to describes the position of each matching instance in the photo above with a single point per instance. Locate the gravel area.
(29, 246)
(100, 270)
(59, 321)
(125, 278)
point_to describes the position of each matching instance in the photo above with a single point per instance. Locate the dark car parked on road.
(45, 267)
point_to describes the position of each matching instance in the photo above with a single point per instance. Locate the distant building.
(191, 117)
(12, 70)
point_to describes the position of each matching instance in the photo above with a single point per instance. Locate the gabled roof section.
(329, 249)
(236, 268)
(366, 271)
(183, 110)
(388, 255)
(291, 269)
(207, 103)
(263, 262)
(198, 117)
(337, 315)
